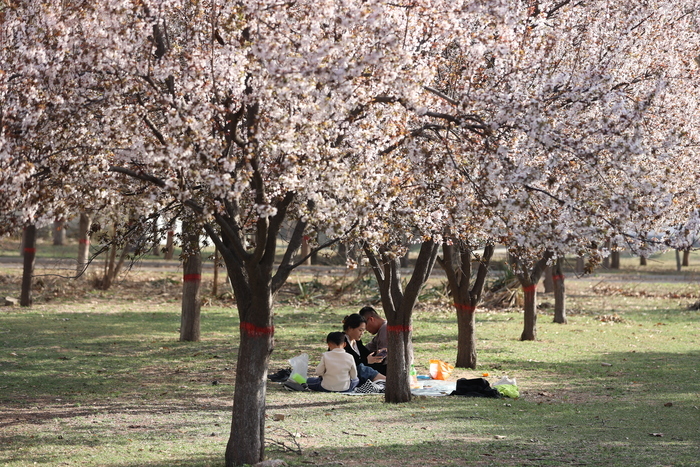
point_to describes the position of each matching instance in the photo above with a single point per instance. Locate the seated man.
(376, 325)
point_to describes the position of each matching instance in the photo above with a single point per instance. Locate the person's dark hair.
(369, 312)
(336, 338)
(353, 321)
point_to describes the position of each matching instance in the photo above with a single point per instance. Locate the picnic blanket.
(428, 387)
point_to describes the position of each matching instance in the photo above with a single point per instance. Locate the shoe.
(281, 376)
(291, 385)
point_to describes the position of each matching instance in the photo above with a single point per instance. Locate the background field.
(98, 377)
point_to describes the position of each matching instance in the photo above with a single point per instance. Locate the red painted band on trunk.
(192, 277)
(30, 250)
(530, 288)
(399, 328)
(463, 307)
(256, 331)
(558, 278)
(84, 241)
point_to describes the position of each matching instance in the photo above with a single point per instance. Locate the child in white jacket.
(337, 371)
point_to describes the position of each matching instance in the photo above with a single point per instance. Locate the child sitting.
(337, 371)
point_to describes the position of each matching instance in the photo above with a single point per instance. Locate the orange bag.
(440, 370)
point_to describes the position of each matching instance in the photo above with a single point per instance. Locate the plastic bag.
(440, 370)
(507, 387)
(300, 367)
(508, 390)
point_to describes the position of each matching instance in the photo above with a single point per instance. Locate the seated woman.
(354, 326)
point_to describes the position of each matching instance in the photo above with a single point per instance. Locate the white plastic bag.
(300, 367)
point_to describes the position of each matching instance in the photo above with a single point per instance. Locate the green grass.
(99, 379)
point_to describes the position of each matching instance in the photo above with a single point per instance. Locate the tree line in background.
(550, 127)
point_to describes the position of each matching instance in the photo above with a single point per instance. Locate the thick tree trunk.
(83, 243)
(678, 260)
(246, 444)
(29, 251)
(457, 267)
(466, 336)
(59, 232)
(559, 292)
(642, 260)
(686, 257)
(191, 285)
(399, 360)
(398, 308)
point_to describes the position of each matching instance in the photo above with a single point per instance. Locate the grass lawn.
(98, 378)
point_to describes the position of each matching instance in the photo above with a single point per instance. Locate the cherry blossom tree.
(563, 118)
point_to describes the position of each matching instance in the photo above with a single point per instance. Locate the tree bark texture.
(29, 251)
(83, 243)
(457, 264)
(191, 286)
(559, 292)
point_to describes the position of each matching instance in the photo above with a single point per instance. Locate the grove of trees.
(550, 127)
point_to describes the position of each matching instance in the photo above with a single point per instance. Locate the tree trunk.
(59, 232)
(559, 292)
(678, 260)
(642, 260)
(83, 243)
(169, 245)
(246, 444)
(686, 257)
(615, 259)
(306, 251)
(155, 249)
(529, 276)
(398, 308)
(191, 285)
(547, 280)
(530, 313)
(29, 251)
(457, 267)
(580, 265)
(215, 284)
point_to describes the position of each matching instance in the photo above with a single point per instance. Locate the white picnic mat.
(434, 387)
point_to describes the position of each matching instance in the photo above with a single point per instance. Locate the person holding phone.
(376, 325)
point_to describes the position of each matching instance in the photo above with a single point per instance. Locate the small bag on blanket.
(475, 387)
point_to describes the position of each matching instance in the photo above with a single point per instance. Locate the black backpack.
(475, 387)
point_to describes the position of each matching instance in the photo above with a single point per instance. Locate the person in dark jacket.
(354, 326)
